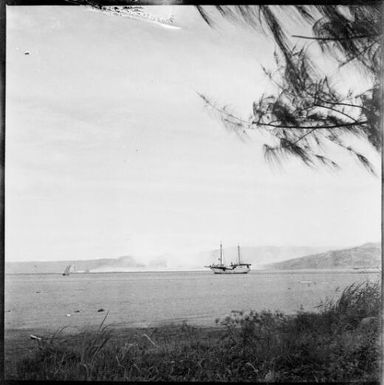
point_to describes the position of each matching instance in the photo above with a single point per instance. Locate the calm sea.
(52, 301)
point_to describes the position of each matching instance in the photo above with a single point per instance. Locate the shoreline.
(254, 271)
(251, 346)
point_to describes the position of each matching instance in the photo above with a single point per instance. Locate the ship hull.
(230, 270)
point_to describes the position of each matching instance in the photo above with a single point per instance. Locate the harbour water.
(139, 299)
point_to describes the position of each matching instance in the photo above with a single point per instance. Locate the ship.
(69, 269)
(233, 268)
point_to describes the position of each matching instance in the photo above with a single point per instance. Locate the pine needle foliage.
(307, 111)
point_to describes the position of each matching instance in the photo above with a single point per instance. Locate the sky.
(111, 152)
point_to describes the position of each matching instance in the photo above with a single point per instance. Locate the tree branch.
(334, 38)
(340, 112)
(344, 104)
(222, 111)
(314, 128)
(356, 56)
(309, 132)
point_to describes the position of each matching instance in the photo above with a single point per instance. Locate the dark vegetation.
(307, 114)
(340, 342)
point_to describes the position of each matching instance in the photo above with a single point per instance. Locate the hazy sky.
(110, 152)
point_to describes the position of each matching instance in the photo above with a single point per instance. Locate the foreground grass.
(338, 343)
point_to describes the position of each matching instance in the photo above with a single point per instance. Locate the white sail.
(69, 269)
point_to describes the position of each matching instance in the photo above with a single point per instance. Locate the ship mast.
(238, 253)
(221, 253)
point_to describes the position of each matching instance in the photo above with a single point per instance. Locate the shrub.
(330, 345)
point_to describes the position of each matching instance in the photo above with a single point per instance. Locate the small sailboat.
(69, 269)
(233, 268)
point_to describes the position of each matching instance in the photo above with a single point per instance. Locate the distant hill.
(260, 256)
(91, 265)
(367, 256)
(273, 257)
(257, 256)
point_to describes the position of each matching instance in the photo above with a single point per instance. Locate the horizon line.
(330, 248)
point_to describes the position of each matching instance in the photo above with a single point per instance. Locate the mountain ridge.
(261, 257)
(366, 256)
